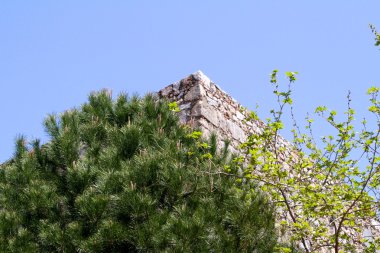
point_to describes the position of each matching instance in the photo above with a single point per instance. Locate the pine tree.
(125, 176)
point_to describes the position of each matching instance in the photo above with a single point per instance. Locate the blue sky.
(54, 53)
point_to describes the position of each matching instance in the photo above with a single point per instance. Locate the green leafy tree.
(124, 176)
(326, 192)
(377, 35)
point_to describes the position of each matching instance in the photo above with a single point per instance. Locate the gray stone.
(176, 86)
(197, 109)
(202, 79)
(195, 93)
(240, 116)
(236, 131)
(212, 102)
(165, 91)
(183, 117)
(211, 114)
(184, 106)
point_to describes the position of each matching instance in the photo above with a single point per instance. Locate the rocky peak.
(204, 104)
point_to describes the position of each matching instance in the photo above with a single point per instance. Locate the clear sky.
(54, 53)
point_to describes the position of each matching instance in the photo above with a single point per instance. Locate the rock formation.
(203, 104)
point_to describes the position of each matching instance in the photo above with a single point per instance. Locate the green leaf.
(194, 135)
(173, 106)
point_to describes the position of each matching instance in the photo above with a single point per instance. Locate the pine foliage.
(124, 176)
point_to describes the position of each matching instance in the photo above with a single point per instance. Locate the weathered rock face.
(203, 104)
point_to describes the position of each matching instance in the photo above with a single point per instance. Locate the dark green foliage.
(123, 176)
